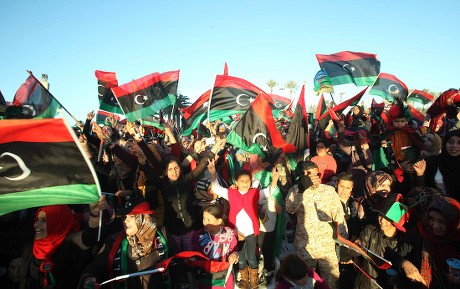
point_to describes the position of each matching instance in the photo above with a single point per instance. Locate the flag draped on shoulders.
(350, 67)
(147, 95)
(256, 131)
(389, 87)
(36, 99)
(107, 101)
(41, 164)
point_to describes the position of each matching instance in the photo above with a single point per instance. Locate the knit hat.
(135, 207)
(394, 211)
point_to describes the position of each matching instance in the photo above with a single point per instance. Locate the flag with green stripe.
(43, 164)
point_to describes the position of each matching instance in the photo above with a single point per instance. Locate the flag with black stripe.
(350, 67)
(107, 101)
(35, 100)
(147, 95)
(256, 132)
(41, 164)
(389, 87)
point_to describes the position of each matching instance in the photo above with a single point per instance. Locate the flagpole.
(366, 94)
(30, 72)
(210, 100)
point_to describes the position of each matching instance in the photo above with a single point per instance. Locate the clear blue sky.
(418, 41)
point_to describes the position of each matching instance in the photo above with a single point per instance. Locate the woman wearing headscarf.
(141, 246)
(435, 239)
(54, 256)
(377, 188)
(443, 171)
(432, 144)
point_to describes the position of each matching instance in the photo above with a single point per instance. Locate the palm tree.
(291, 85)
(173, 111)
(271, 84)
(311, 108)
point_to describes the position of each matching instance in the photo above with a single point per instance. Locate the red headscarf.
(60, 221)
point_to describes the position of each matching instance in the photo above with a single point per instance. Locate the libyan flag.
(298, 128)
(256, 131)
(389, 87)
(350, 67)
(196, 113)
(420, 96)
(107, 101)
(34, 97)
(147, 95)
(41, 164)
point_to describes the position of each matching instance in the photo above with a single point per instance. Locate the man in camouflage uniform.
(316, 206)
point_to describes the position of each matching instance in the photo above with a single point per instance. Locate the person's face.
(428, 140)
(355, 110)
(130, 225)
(107, 130)
(344, 188)
(453, 146)
(40, 226)
(437, 223)
(385, 225)
(301, 282)
(221, 129)
(385, 186)
(321, 150)
(210, 223)
(14, 269)
(243, 183)
(199, 146)
(399, 122)
(314, 175)
(173, 171)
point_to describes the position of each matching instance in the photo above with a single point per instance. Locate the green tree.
(291, 85)
(173, 111)
(271, 84)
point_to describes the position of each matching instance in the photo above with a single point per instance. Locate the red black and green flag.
(147, 95)
(297, 134)
(420, 96)
(2, 99)
(101, 117)
(416, 115)
(389, 87)
(42, 164)
(376, 110)
(233, 95)
(107, 101)
(36, 100)
(322, 83)
(256, 131)
(350, 67)
(196, 113)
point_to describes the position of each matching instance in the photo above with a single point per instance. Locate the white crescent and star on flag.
(21, 164)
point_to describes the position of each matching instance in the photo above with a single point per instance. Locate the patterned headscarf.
(142, 241)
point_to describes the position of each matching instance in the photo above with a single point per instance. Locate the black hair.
(324, 141)
(216, 210)
(292, 268)
(243, 173)
(304, 166)
(165, 163)
(345, 176)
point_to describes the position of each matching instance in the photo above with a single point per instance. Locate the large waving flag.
(41, 164)
(322, 83)
(420, 96)
(389, 87)
(256, 131)
(196, 113)
(350, 67)
(147, 95)
(107, 101)
(102, 117)
(38, 101)
(232, 95)
(297, 134)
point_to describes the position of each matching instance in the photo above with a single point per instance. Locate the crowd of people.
(197, 212)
